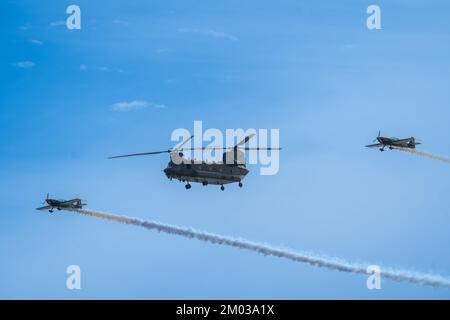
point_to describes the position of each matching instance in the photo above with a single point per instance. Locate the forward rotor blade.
(140, 154)
(182, 144)
(208, 148)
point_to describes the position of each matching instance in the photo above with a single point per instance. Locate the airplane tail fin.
(413, 143)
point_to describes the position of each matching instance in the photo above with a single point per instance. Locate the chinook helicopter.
(231, 170)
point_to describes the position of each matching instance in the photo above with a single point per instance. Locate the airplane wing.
(401, 141)
(44, 208)
(376, 145)
(66, 203)
(74, 203)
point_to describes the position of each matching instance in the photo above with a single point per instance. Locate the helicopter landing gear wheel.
(188, 186)
(222, 188)
(240, 184)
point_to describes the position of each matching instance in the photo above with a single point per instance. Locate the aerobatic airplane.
(391, 143)
(61, 204)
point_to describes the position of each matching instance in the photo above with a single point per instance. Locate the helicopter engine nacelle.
(234, 157)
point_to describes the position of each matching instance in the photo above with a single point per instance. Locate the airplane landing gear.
(222, 188)
(240, 184)
(381, 149)
(188, 186)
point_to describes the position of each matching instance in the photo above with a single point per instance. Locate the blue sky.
(311, 69)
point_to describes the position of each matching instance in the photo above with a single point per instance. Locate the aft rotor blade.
(245, 140)
(140, 154)
(231, 148)
(249, 148)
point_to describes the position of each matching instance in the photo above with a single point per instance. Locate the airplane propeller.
(379, 134)
(46, 198)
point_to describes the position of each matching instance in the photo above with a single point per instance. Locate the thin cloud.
(25, 64)
(349, 46)
(36, 42)
(57, 23)
(220, 34)
(210, 33)
(104, 69)
(120, 22)
(135, 105)
(163, 50)
(159, 106)
(25, 27)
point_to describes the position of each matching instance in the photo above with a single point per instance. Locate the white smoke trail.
(423, 154)
(318, 261)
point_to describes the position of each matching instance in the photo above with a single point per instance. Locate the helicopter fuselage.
(206, 172)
